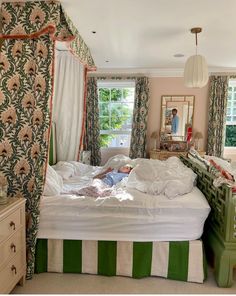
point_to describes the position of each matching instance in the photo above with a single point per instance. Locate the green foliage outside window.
(114, 116)
(230, 137)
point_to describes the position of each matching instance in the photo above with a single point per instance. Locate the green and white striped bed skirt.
(183, 261)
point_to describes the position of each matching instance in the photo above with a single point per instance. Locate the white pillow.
(117, 161)
(65, 169)
(53, 183)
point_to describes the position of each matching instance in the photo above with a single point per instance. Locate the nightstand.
(164, 154)
(12, 244)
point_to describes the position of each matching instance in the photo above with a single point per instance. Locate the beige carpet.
(55, 283)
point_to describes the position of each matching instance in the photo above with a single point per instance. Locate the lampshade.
(198, 135)
(154, 135)
(196, 70)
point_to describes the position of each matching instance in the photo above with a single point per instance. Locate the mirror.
(177, 118)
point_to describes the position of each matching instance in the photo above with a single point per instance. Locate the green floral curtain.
(92, 127)
(217, 115)
(139, 125)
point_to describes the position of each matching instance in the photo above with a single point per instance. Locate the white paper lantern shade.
(196, 72)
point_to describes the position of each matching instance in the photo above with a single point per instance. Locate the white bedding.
(129, 216)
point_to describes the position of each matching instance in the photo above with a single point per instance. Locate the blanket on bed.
(170, 177)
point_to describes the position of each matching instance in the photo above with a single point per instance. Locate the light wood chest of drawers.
(12, 244)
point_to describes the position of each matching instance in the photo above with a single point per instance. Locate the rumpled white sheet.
(170, 177)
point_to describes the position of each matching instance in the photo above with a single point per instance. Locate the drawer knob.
(13, 247)
(13, 225)
(13, 268)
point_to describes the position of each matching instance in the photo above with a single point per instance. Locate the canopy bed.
(129, 233)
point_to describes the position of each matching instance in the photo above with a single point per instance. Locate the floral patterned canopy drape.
(217, 115)
(26, 85)
(25, 92)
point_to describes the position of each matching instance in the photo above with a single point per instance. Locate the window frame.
(116, 85)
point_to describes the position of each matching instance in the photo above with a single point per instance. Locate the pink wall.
(175, 86)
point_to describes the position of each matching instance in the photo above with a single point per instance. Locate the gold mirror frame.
(172, 100)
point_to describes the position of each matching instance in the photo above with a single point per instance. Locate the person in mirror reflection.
(174, 121)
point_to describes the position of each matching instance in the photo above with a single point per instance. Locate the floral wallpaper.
(26, 87)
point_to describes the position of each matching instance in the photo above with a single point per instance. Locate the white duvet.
(170, 177)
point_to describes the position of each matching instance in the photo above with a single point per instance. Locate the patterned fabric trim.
(35, 16)
(174, 260)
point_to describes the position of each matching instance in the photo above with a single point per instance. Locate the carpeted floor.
(56, 283)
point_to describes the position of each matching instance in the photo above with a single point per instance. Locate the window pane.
(230, 139)
(127, 123)
(121, 109)
(106, 140)
(116, 114)
(116, 94)
(228, 118)
(230, 88)
(115, 140)
(116, 122)
(104, 109)
(105, 123)
(234, 111)
(104, 94)
(128, 94)
(228, 111)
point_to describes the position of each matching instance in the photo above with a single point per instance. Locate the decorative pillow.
(196, 157)
(224, 164)
(217, 170)
(53, 183)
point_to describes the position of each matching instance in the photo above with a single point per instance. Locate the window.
(116, 102)
(230, 137)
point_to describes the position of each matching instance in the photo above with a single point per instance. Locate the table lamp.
(197, 136)
(155, 136)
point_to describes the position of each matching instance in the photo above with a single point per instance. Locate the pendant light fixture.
(196, 70)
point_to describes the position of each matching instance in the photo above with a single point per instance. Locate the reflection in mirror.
(177, 118)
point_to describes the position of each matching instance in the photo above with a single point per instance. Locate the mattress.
(129, 216)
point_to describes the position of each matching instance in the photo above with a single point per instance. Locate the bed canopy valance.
(23, 18)
(30, 30)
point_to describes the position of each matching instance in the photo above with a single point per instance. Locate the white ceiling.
(147, 33)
